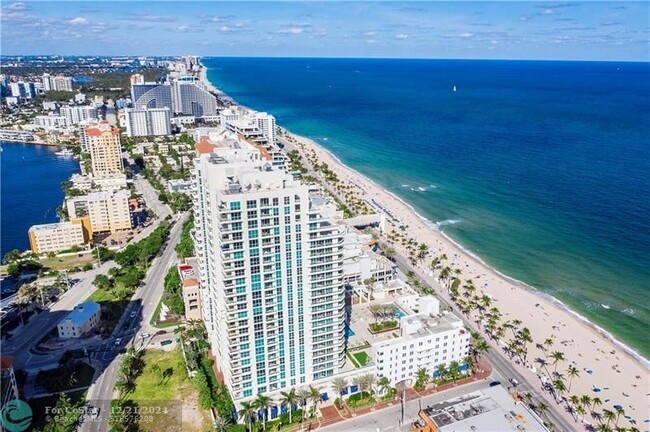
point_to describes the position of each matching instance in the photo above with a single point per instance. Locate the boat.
(605, 306)
(65, 152)
(454, 88)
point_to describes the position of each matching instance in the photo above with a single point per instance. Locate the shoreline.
(599, 360)
(45, 144)
(521, 284)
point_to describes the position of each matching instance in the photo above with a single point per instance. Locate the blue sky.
(500, 30)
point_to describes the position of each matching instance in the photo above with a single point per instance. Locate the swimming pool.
(399, 313)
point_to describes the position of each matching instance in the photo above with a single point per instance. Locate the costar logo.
(16, 416)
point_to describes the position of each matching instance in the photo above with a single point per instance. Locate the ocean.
(30, 177)
(540, 168)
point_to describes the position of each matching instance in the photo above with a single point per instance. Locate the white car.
(144, 335)
(118, 341)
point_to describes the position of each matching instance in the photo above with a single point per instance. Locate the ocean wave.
(425, 188)
(628, 311)
(448, 222)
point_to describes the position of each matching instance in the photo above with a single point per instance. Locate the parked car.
(144, 335)
(495, 383)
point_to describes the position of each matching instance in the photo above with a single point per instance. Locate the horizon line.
(334, 57)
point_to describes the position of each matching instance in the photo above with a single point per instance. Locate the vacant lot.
(167, 386)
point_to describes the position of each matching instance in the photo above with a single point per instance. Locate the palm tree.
(575, 402)
(247, 412)
(442, 371)
(585, 401)
(303, 396)
(548, 342)
(542, 408)
(594, 402)
(543, 364)
(580, 410)
(338, 385)
(423, 249)
(572, 372)
(619, 411)
(384, 385)
(454, 370)
(221, 424)
(263, 403)
(609, 416)
(557, 357)
(421, 378)
(524, 338)
(480, 347)
(560, 388)
(315, 396)
(289, 398)
(603, 428)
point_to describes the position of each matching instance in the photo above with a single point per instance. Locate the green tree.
(263, 402)
(289, 399)
(12, 256)
(67, 416)
(102, 282)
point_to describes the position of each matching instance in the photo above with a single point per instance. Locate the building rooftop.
(491, 409)
(101, 128)
(51, 226)
(82, 312)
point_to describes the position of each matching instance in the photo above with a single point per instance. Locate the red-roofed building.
(103, 142)
(204, 146)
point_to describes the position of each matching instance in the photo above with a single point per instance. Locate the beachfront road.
(500, 364)
(129, 329)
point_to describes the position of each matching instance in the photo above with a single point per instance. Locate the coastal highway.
(500, 364)
(144, 303)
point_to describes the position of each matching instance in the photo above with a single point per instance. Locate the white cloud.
(182, 29)
(371, 41)
(548, 12)
(292, 30)
(370, 33)
(18, 6)
(466, 35)
(78, 21)
(401, 36)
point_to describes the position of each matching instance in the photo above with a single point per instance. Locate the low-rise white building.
(81, 320)
(180, 186)
(427, 339)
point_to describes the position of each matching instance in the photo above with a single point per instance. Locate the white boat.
(454, 88)
(64, 152)
(605, 306)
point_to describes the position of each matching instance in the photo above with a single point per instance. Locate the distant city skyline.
(487, 30)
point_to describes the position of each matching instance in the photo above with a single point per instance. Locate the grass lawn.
(177, 388)
(161, 324)
(68, 262)
(359, 400)
(361, 357)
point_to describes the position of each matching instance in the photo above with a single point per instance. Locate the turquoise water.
(540, 168)
(31, 177)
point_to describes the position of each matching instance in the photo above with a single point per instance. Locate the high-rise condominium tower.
(270, 271)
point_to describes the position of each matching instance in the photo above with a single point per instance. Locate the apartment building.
(270, 272)
(426, 339)
(103, 143)
(56, 237)
(106, 211)
(77, 114)
(148, 121)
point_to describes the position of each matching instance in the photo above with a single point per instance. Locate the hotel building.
(426, 339)
(103, 143)
(270, 272)
(56, 237)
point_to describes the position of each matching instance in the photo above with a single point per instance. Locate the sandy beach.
(607, 370)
